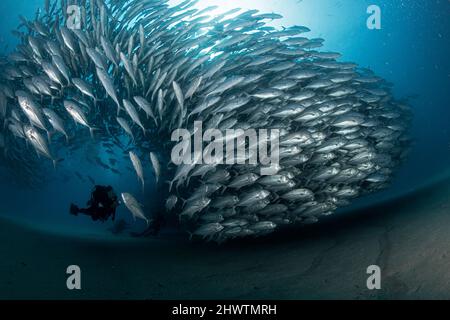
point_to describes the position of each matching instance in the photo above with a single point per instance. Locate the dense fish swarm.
(142, 69)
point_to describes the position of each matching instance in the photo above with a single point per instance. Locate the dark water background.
(412, 50)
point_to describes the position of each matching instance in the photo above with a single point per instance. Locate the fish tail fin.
(276, 196)
(92, 131)
(191, 235)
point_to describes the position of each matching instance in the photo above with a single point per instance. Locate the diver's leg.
(102, 214)
(84, 211)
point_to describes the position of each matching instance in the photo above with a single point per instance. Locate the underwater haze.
(364, 122)
(411, 51)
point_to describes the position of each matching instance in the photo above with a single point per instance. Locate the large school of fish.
(143, 68)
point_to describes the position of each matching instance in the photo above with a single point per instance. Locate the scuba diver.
(102, 205)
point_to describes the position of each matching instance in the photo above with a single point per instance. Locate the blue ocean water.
(411, 51)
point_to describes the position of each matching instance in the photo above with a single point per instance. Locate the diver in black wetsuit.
(102, 205)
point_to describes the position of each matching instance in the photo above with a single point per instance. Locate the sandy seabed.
(408, 238)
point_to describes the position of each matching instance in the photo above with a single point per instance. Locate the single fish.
(137, 165)
(134, 207)
(156, 165)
